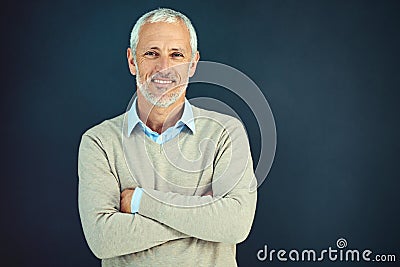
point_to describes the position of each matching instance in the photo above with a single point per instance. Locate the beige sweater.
(175, 225)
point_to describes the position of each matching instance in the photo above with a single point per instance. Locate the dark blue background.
(329, 70)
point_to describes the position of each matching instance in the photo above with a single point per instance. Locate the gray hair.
(162, 15)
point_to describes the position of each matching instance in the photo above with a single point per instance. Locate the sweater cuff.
(136, 199)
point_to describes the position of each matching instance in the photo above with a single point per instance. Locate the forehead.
(162, 33)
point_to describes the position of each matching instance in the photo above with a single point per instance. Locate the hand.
(126, 198)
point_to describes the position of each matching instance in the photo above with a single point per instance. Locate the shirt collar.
(187, 117)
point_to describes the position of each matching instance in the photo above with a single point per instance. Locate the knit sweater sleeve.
(109, 232)
(226, 216)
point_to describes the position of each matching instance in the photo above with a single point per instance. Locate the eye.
(151, 54)
(177, 54)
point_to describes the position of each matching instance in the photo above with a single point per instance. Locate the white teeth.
(162, 81)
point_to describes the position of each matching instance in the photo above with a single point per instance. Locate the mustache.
(164, 75)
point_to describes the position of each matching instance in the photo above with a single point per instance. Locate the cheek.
(143, 71)
(183, 69)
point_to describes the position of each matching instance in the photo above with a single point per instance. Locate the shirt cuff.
(136, 197)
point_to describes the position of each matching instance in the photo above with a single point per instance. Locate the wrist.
(135, 202)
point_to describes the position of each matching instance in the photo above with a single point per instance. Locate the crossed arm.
(111, 231)
(127, 194)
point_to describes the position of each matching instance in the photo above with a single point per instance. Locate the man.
(166, 183)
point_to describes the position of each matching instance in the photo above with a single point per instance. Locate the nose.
(163, 63)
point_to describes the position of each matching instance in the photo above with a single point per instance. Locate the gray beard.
(163, 101)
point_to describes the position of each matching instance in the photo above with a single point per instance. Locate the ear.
(131, 61)
(193, 64)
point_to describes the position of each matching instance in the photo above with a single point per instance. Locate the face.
(164, 62)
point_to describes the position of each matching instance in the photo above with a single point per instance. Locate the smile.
(162, 81)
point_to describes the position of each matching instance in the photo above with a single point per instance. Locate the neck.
(157, 118)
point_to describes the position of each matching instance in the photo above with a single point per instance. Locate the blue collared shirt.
(171, 132)
(133, 119)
